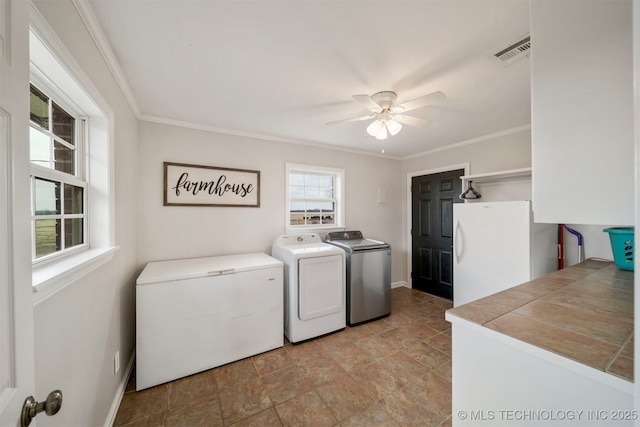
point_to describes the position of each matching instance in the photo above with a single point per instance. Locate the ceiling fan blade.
(423, 101)
(411, 121)
(368, 102)
(355, 119)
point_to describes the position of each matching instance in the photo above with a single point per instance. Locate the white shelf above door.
(508, 185)
(507, 175)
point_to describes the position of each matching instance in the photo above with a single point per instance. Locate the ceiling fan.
(390, 117)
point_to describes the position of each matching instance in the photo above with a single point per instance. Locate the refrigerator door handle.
(457, 243)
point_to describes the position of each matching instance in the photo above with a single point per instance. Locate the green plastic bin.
(622, 246)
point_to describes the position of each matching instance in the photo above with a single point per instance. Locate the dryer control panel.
(297, 239)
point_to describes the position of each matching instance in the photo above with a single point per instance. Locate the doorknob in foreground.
(31, 408)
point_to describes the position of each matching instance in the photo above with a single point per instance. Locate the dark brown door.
(433, 197)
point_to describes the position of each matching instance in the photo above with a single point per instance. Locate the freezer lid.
(181, 269)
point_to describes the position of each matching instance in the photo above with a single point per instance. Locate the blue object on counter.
(622, 246)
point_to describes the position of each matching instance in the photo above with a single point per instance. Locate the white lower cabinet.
(501, 381)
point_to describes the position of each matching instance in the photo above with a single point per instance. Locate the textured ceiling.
(282, 69)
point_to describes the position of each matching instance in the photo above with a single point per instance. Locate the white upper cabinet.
(582, 112)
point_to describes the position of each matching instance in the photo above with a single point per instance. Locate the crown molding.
(482, 138)
(262, 137)
(90, 21)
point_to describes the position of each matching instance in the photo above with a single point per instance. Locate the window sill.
(314, 229)
(51, 278)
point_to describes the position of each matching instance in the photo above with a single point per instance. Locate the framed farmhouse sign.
(194, 185)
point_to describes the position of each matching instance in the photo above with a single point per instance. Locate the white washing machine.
(314, 286)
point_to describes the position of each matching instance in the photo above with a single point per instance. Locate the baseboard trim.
(400, 284)
(122, 388)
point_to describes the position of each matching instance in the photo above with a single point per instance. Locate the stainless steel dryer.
(368, 268)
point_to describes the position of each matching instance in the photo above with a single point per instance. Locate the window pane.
(313, 213)
(47, 197)
(40, 147)
(39, 108)
(296, 179)
(296, 211)
(325, 181)
(313, 217)
(327, 207)
(296, 192)
(326, 193)
(73, 232)
(313, 207)
(328, 218)
(297, 206)
(63, 124)
(297, 218)
(47, 236)
(311, 192)
(73, 199)
(311, 180)
(64, 158)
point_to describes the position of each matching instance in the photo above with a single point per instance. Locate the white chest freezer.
(196, 314)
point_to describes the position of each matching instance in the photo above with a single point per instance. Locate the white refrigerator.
(497, 246)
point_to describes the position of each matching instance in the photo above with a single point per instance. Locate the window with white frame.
(315, 197)
(71, 151)
(58, 186)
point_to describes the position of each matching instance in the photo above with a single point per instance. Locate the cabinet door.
(582, 112)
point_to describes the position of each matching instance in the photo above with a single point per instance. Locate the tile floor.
(395, 371)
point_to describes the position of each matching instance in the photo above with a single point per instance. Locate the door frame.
(18, 377)
(410, 176)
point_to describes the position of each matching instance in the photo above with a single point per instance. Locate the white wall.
(596, 243)
(78, 330)
(488, 154)
(169, 232)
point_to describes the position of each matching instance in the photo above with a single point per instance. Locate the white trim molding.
(54, 277)
(122, 389)
(482, 138)
(90, 21)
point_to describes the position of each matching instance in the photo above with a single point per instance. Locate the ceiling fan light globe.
(382, 133)
(374, 128)
(393, 127)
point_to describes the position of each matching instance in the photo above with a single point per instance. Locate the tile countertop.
(583, 312)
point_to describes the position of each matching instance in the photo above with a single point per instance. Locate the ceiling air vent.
(516, 51)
